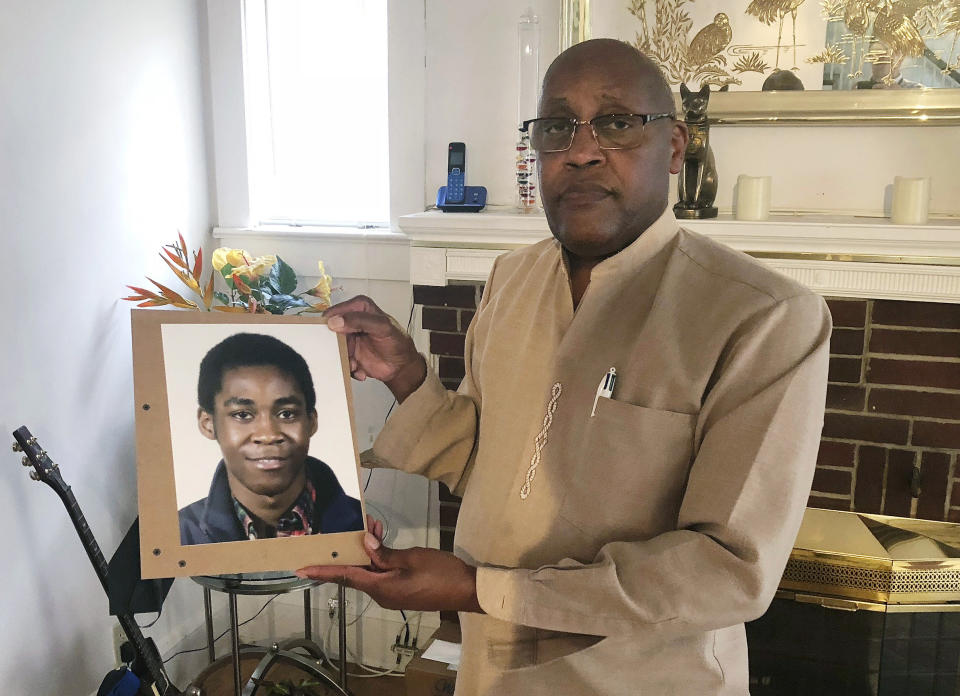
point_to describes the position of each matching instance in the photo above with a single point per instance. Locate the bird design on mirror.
(770, 11)
(953, 25)
(886, 31)
(667, 41)
(850, 34)
(710, 42)
(894, 28)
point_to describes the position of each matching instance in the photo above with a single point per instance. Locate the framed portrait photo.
(246, 452)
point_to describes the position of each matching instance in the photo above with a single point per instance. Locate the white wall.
(472, 96)
(472, 77)
(842, 169)
(102, 160)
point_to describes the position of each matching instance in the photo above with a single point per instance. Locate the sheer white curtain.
(316, 110)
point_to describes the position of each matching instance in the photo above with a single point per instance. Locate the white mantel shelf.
(841, 256)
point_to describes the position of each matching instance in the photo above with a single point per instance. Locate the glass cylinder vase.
(528, 84)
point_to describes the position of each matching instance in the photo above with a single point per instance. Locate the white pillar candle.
(911, 200)
(753, 197)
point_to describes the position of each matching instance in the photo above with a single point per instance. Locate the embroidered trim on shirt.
(541, 440)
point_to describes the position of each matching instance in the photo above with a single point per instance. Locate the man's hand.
(377, 346)
(418, 579)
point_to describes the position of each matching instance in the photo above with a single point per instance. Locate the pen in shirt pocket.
(605, 389)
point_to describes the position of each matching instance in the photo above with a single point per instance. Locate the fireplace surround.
(891, 439)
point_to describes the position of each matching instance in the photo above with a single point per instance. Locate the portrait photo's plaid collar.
(294, 522)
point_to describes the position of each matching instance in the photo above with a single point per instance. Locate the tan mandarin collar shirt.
(621, 549)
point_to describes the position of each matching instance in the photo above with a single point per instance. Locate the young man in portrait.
(257, 400)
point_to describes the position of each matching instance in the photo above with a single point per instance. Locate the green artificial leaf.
(285, 302)
(286, 276)
(222, 296)
(272, 282)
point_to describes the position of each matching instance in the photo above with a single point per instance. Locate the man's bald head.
(598, 200)
(612, 53)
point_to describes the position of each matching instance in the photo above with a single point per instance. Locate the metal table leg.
(235, 639)
(208, 616)
(342, 605)
(307, 616)
(314, 662)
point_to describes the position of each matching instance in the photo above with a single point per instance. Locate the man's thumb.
(379, 554)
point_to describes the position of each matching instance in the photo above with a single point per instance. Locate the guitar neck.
(146, 650)
(90, 544)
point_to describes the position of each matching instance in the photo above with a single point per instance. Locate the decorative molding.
(490, 228)
(883, 281)
(470, 264)
(840, 237)
(836, 256)
(428, 266)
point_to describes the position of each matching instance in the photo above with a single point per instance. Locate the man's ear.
(205, 424)
(678, 145)
(313, 422)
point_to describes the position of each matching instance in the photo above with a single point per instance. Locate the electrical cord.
(392, 405)
(372, 671)
(225, 632)
(152, 622)
(406, 622)
(413, 306)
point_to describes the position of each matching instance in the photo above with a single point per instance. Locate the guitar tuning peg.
(43, 453)
(17, 447)
(34, 475)
(25, 461)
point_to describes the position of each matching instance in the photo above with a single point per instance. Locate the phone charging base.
(474, 200)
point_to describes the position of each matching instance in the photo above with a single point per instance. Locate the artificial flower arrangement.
(265, 284)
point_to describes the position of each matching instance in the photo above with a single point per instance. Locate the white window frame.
(231, 144)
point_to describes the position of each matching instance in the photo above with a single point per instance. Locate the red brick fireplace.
(891, 437)
(892, 424)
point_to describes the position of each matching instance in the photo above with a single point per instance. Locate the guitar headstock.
(34, 455)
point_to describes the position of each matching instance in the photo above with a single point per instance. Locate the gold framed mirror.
(875, 62)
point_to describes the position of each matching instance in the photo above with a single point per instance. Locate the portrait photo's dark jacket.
(213, 519)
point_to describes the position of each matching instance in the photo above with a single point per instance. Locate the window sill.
(309, 232)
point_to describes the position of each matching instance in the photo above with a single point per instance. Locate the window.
(315, 99)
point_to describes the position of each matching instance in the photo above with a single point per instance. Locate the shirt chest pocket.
(629, 479)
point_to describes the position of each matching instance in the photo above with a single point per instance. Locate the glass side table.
(317, 664)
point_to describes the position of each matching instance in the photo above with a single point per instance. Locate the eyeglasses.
(611, 131)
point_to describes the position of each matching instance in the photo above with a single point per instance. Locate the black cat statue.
(698, 173)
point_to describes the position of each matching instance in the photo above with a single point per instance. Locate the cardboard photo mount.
(161, 553)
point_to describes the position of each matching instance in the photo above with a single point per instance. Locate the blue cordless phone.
(456, 166)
